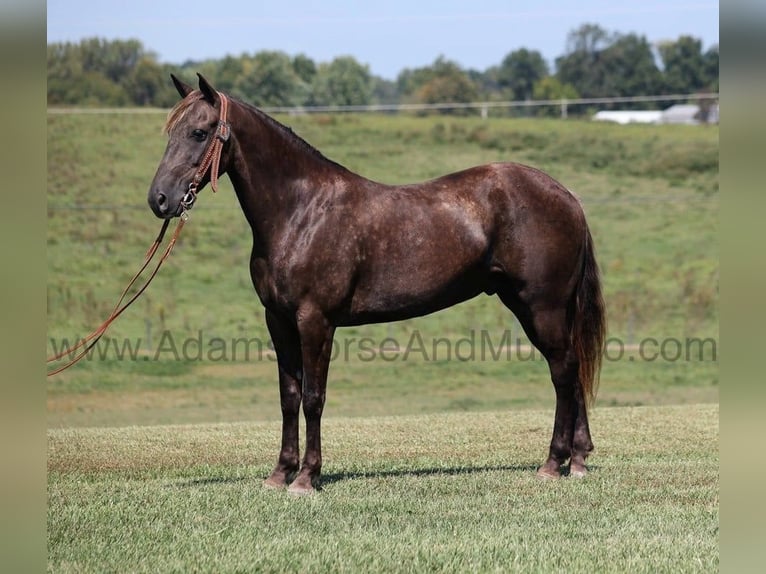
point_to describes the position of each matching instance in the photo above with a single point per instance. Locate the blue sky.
(386, 36)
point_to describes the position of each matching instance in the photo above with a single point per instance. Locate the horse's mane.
(181, 108)
(288, 133)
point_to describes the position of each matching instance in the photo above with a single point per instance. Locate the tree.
(114, 59)
(305, 68)
(588, 39)
(408, 81)
(148, 85)
(580, 66)
(446, 83)
(64, 68)
(550, 88)
(455, 88)
(269, 79)
(441, 82)
(227, 72)
(342, 82)
(629, 68)
(519, 71)
(384, 91)
(711, 67)
(602, 64)
(685, 68)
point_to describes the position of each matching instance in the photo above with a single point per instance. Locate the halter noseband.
(211, 159)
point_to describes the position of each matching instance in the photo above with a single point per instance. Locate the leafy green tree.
(408, 81)
(487, 84)
(384, 91)
(94, 89)
(305, 68)
(550, 88)
(442, 82)
(603, 64)
(520, 71)
(148, 84)
(269, 79)
(686, 68)
(455, 88)
(64, 69)
(629, 68)
(581, 65)
(115, 59)
(342, 82)
(228, 71)
(711, 68)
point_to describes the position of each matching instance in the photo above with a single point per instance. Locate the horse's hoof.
(577, 471)
(300, 490)
(547, 473)
(273, 484)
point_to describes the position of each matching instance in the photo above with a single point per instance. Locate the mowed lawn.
(453, 492)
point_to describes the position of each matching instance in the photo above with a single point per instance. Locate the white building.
(628, 116)
(688, 114)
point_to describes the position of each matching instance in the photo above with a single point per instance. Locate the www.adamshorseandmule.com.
(474, 345)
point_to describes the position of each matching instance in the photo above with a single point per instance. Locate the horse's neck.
(269, 175)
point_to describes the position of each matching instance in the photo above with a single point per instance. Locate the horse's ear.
(209, 92)
(183, 88)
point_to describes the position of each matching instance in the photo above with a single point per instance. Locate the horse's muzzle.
(162, 206)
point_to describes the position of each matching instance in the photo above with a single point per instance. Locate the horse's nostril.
(162, 201)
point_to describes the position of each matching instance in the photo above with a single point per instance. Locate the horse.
(332, 249)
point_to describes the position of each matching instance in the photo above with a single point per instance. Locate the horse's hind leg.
(547, 329)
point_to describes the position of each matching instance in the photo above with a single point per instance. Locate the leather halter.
(211, 158)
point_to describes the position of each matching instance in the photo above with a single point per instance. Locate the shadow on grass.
(334, 477)
(341, 476)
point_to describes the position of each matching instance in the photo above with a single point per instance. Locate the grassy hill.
(650, 193)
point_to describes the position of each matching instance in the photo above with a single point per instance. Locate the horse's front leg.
(284, 336)
(316, 343)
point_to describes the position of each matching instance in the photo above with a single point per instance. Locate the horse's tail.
(588, 323)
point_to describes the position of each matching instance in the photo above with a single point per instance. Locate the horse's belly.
(398, 297)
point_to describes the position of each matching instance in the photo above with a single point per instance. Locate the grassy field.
(650, 192)
(432, 493)
(158, 443)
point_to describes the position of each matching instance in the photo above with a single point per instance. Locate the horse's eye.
(199, 135)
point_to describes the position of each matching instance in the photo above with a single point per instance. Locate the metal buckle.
(224, 131)
(187, 201)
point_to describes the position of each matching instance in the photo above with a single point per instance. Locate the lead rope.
(90, 341)
(211, 160)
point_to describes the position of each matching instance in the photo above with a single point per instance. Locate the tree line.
(596, 63)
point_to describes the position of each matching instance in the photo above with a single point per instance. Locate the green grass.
(155, 462)
(650, 193)
(441, 492)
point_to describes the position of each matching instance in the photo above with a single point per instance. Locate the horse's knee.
(290, 399)
(313, 402)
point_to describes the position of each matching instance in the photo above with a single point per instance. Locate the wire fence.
(562, 104)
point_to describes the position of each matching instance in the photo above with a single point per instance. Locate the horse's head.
(192, 127)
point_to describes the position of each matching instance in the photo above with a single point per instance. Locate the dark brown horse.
(332, 249)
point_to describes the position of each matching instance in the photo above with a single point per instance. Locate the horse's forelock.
(179, 110)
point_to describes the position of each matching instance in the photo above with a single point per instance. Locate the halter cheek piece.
(210, 160)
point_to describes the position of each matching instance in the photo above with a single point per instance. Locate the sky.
(387, 36)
